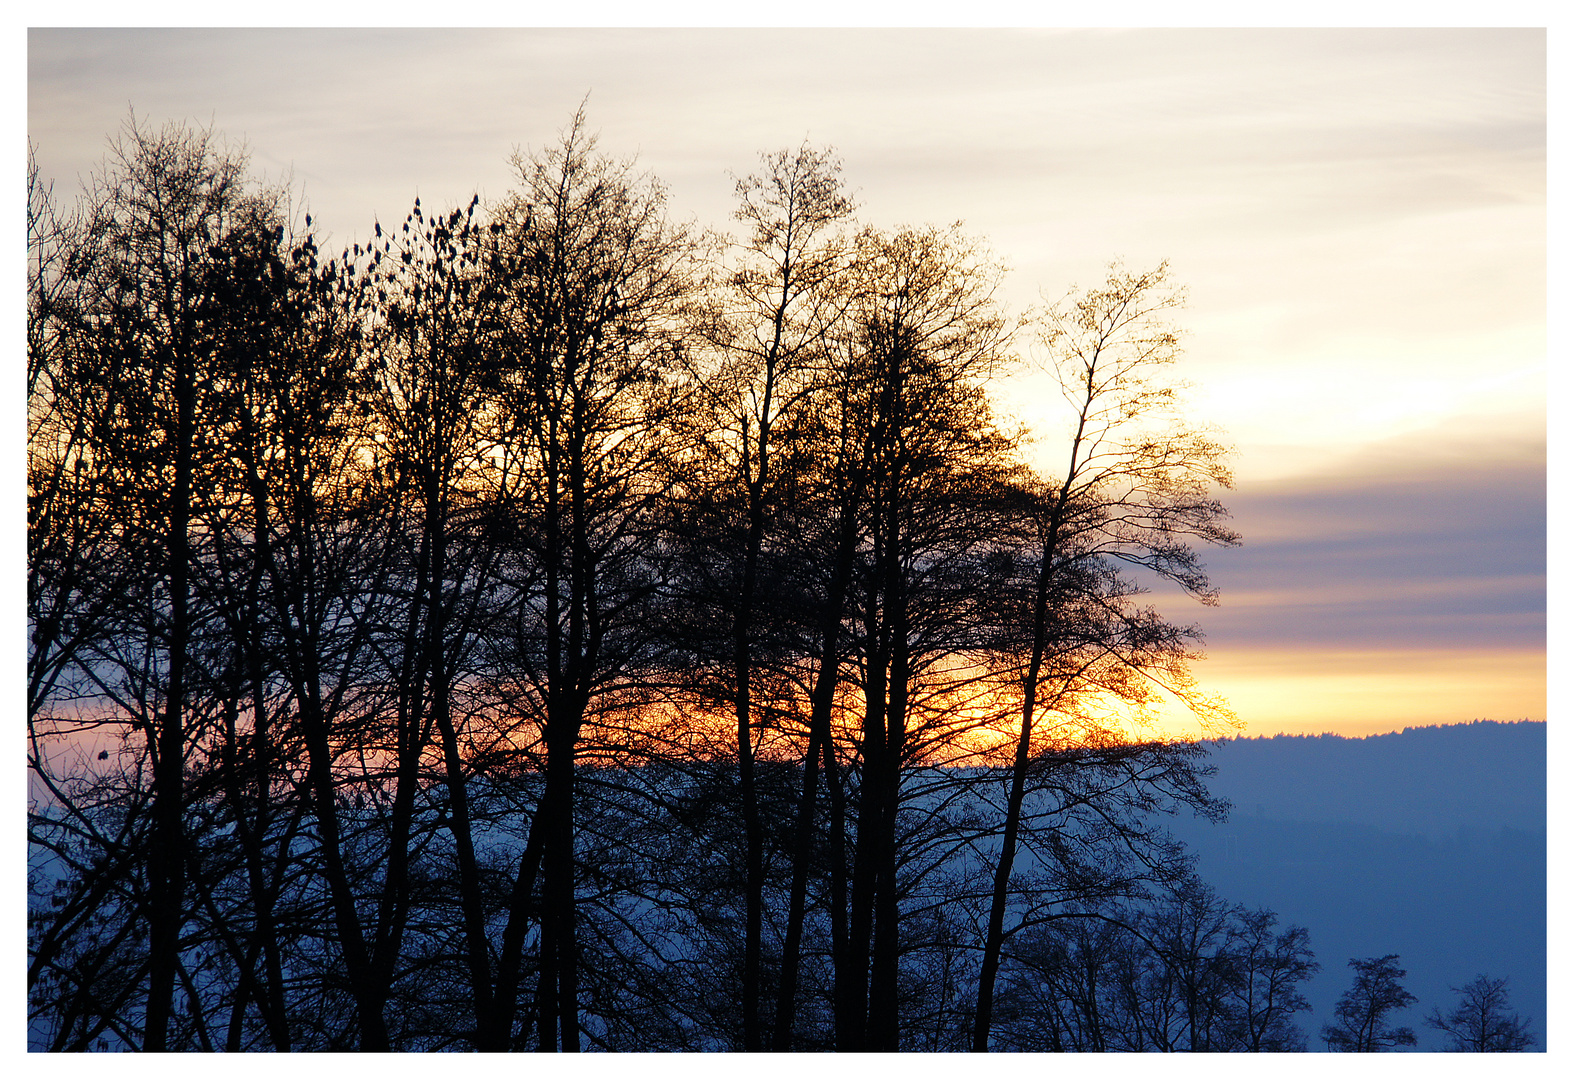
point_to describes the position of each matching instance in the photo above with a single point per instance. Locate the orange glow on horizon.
(1368, 692)
(967, 721)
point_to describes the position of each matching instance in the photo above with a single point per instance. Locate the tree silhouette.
(1136, 490)
(594, 281)
(763, 329)
(1269, 970)
(1184, 971)
(922, 336)
(1362, 1010)
(138, 390)
(533, 627)
(1482, 1023)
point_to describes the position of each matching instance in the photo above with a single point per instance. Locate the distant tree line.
(543, 627)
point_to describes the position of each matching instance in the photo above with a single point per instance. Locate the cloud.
(1432, 543)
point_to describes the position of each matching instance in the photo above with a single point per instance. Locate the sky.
(1359, 216)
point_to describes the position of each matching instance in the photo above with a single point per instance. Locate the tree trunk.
(167, 857)
(754, 844)
(364, 978)
(498, 1035)
(820, 742)
(886, 728)
(994, 937)
(558, 991)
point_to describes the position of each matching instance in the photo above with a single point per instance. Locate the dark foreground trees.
(516, 632)
(130, 379)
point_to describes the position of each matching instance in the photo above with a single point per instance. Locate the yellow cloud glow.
(1366, 692)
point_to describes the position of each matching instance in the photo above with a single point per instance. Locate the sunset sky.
(1360, 217)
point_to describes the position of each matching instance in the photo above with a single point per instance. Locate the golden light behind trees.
(438, 584)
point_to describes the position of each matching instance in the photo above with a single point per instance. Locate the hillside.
(1429, 843)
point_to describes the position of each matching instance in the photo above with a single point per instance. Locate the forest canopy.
(546, 626)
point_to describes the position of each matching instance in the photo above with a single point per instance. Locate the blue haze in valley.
(1430, 843)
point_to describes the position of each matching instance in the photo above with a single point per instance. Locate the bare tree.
(595, 278)
(139, 387)
(1270, 969)
(1182, 972)
(438, 408)
(765, 324)
(1482, 1022)
(277, 390)
(511, 632)
(1137, 489)
(1363, 1010)
(922, 336)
